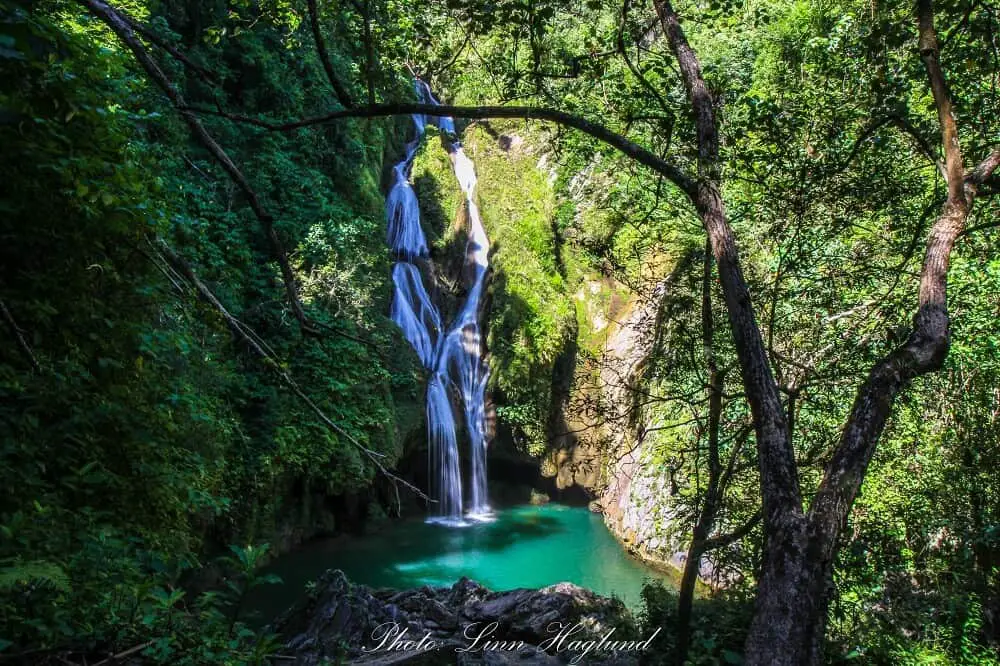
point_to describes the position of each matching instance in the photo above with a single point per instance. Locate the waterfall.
(453, 355)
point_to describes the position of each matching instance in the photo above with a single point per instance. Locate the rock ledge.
(340, 622)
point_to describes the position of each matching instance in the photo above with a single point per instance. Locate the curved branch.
(723, 540)
(907, 127)
(930, 54)
(599, 132)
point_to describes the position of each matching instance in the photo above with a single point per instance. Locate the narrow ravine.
(452, 354)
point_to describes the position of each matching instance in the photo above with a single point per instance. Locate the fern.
(36, 572)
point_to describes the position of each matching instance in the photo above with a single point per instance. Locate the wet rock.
(441, 615)
(464, 624)
(539, 498)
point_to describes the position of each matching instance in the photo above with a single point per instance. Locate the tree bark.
(782, 599)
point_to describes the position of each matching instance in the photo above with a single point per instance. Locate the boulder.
(466, 624)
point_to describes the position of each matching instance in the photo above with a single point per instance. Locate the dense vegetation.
(137, 435)
(143, 430)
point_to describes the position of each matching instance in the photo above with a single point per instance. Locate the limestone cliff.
(568, 341)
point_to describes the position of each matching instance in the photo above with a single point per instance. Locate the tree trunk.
(685, 601)
(788, 623)
(710, 506)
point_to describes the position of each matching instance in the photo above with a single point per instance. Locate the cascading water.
(453, 356)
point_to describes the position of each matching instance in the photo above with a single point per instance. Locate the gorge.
(691, 304)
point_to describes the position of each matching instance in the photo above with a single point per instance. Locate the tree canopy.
(195, 292)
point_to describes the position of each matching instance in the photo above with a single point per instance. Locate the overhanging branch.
(599, 132)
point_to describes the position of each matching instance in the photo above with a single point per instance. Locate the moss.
(531, 308)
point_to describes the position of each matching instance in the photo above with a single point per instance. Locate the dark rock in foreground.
(339, 622)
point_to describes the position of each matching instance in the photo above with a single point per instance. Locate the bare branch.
(599, 132)
(929, 53)
(723, 540)
(124, 30)
(18, 336)
(246, 335)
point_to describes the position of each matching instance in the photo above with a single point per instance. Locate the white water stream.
(453, 355)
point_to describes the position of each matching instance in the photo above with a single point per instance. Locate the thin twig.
(121, 655)
(261, 348)
(16, 331)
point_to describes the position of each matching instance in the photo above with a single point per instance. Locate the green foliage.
(531, 312)
(717, 635)
(825, 109)
(137, 439)
(146, 438)
(33, 574)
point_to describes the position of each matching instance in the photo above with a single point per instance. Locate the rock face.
(339, 622)
(600, 438)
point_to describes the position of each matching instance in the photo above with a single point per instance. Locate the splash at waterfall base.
(452, 352)
(586, 323)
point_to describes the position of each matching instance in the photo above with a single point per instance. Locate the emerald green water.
(526, 546)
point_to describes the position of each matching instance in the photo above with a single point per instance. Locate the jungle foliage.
(138, 438)
(829, 158)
